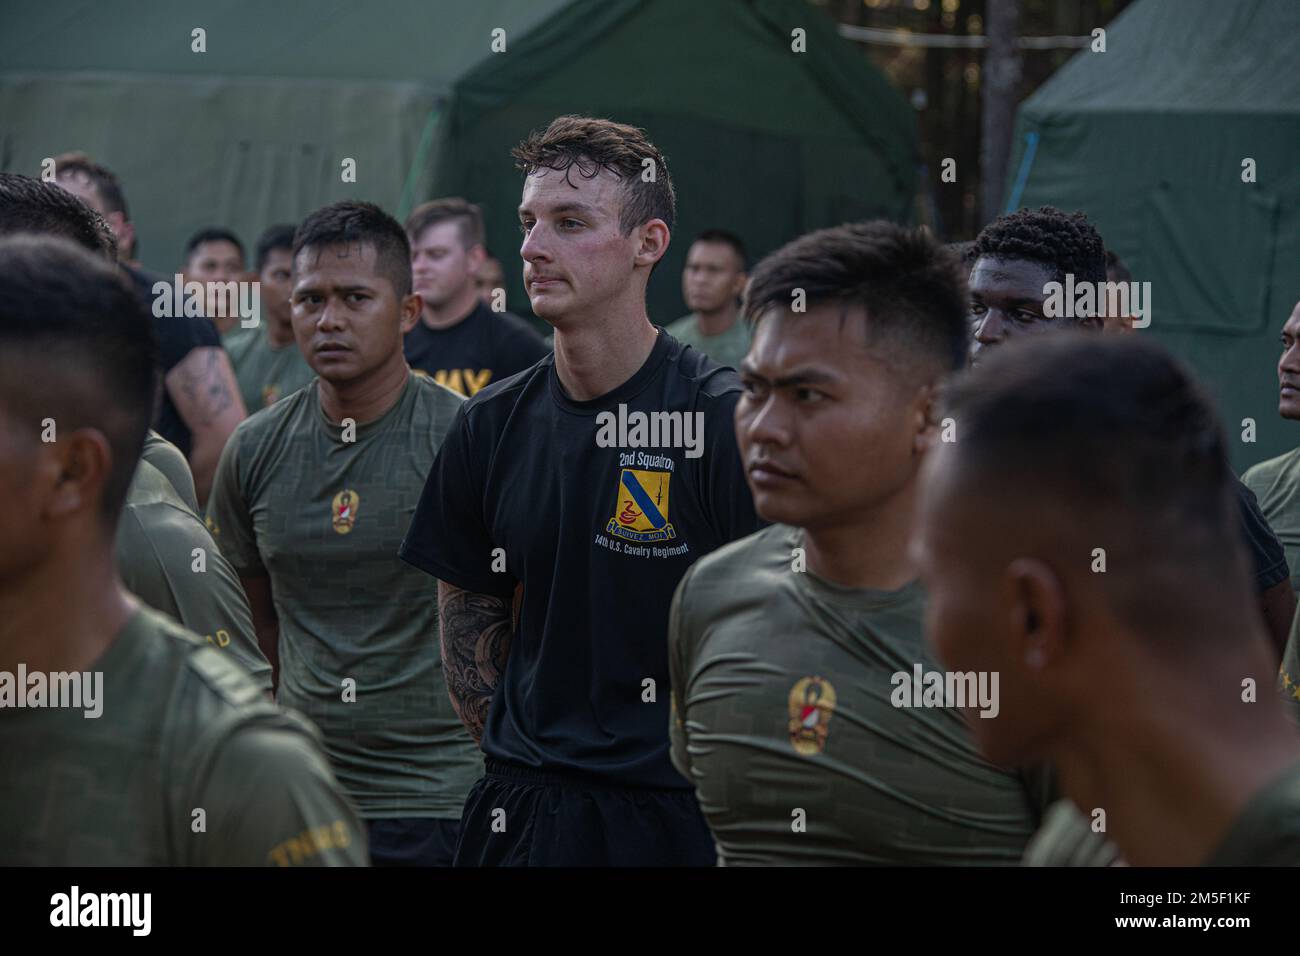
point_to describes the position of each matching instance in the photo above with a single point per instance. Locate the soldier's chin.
(1289, 409)
(778, 507)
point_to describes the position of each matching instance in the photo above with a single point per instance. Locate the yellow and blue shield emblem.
(641, 507)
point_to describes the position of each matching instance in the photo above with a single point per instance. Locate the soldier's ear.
(411, 307)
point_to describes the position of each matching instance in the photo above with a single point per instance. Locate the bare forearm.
(266, 623)
(475, 635)
(204, 390)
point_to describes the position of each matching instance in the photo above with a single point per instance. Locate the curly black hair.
(1064, 243)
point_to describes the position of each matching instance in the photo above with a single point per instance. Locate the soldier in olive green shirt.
(124, 739)
(310, 503)
(358, 642)
(157, 536)
(167, 458)
(266, 373)
(713, 280)
(188, 764)
(786, 725)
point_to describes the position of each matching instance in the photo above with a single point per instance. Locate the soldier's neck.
(368, 398)
(63, 615)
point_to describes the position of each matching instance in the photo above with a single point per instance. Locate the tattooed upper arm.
(475, 633)
(200, 386)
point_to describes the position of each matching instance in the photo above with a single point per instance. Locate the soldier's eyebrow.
(800, 376)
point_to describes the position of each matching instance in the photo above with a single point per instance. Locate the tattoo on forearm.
(204, 387)
(475, 635)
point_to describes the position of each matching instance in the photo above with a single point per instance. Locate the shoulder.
(1259, 477)
(734, 571)
(167, 458)
(497, 400)
(204, 682)
(434, 407)
(430, 395)
(264, 427)
(714, 383)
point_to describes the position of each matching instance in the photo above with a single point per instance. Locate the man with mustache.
(786, 647)
(310, 501)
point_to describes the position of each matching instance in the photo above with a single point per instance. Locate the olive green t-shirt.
(265, 374)
(782, 686)
(1067, 838)
(1276, 483)
(1267, 833)
(157, 535)
(186, 764)
(167, 458)
(727, 348)
(294, 498)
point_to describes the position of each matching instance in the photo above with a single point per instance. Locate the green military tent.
(1149, 139)
(772, 124)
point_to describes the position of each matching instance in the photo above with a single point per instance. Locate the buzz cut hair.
(1118, 428)
(213, 234)
(351, 221)
(106, 184)
(77, 346)
(30, 205)
(467, 216)
(909, 287)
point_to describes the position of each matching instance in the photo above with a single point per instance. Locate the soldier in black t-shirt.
(461, 340)
(564, 506)
(200, 401)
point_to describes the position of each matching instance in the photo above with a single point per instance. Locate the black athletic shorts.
(516, 816)
(412, 841)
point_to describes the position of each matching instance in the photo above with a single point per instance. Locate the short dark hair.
(467, 215)
(101, 177)
(274, 237)
(29, 205)
(1115, 266)
(727, 238)
(1115, 431)
(591, 145)
(77, 346)
(911, 289)
(213, 234)
(1064, 243)
(349, 221)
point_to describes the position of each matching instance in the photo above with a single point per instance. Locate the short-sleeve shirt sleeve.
(228, 516)
(448, 538)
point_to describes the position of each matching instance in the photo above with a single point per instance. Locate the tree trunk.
(1000, 86)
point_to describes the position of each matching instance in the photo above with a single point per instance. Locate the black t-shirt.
(599, 537)
(485, 347)
(1267, 557)
(178, 335)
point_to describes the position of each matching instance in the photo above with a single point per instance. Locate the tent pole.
(1022, 176)
(421, 155)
